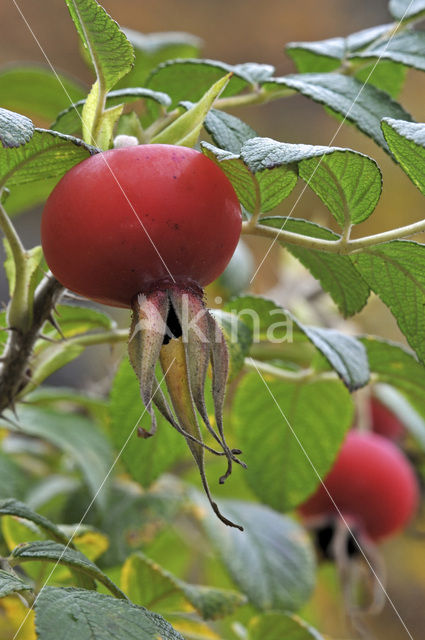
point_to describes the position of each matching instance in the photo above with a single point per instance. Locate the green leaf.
(47, 550)
(47, 155)
(227, 131)
(53, 353)
(406, 48)
(320, 56)
(271, 561)
(395, 271)
(146, 583)
(278, 626)
(144, 459)
(328, 55)
(392, 364)
(10, 583)
(336, 273)
(348, 183)
(14, 479)
(111, 53)
(258, 185)
(69, 120)
(112, 57)
(190, 79)
(49, 358)
(152, 49)
(15, 129)
(363, 105)
(60, 396)
(238, 338)
(289, 442)
(90, 542)
(132, 517)
(88, 615)
(186, 128)
(76, 436)
(346, 355)
(406, 9)
(397, 403)
(12, 507)
(387, 75)
(37, 91)
(75, 320)
(406, 141)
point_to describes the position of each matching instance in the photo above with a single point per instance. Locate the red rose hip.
(371, 483)
(125, 219)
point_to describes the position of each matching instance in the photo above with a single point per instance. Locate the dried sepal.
(171, 325)
(148, 324)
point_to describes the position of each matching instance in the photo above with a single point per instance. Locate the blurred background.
(237, 31)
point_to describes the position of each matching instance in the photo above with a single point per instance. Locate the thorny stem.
(343, 245)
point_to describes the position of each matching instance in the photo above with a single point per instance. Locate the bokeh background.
(237, 31)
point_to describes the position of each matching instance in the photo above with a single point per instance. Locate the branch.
(304, 375)
(15, 367)
(341, 246)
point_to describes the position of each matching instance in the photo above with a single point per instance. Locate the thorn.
(55, 325)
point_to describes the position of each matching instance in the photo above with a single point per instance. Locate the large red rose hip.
(123, 220)
(147, 227)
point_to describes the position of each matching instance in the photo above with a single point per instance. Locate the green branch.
(342, 245)
(304, 375)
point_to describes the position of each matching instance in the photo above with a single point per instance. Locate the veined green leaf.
(46, 155)
(148, 584)
(10, 583)
(11, 507)
(111, 53)
(190, 79)
(336, 273)
(93, 616)
(15, 129)
(395, 271)
(227, 131)
(47, 550)
(406, 141)
(289, 442)
(363, 105)
(349, 183)
(271, 561)
(406, 48)
(327, 55)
